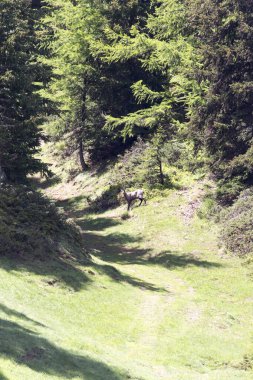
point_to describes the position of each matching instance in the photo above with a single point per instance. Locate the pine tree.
(19, 134)
(223, 124)
(84, 88)
(167, 90)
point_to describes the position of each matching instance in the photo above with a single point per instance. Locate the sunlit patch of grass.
(158, 301)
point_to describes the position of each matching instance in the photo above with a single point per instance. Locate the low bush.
(237, 225)
(125, 215)
(141, 166)
(108, 199)
(228, 191)
(32, 226)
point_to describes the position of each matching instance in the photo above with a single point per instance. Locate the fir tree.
(223, 123)
(85, 88)
(19, 135)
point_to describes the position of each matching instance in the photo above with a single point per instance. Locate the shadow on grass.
(44, 183)
(2, 377)
(113, 248)
(14, 313)
(58, 271)
(27, 348)
(91, 207)
(173, 260)
(69, 205)
(119, 276)
(97, 224)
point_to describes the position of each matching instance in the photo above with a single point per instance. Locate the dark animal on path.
(132, 195)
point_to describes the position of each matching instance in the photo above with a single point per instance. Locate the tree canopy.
(97, 76)
(20, 106)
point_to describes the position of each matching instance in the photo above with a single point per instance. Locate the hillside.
(159, 300)
(101, 101)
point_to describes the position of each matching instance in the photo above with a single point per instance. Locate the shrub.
(32, 226)
(228, 191)
(125, 215)
(237, 225)
(141, 165)
(209, 208)
(129, 169)
(108, 199)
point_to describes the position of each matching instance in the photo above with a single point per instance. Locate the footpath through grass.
(160, 301)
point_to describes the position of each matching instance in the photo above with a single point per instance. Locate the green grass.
(159, 301)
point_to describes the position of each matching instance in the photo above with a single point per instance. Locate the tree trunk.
(161, 175)
(83, 119)
(84, 166)
(2, 175)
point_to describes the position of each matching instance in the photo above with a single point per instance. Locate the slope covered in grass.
(32, 227)
(159, 300)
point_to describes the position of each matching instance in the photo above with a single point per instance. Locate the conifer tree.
(19, 134)
(83, 87)
(167, 90)
(223, 123)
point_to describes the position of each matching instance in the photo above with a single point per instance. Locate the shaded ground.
(29, 349)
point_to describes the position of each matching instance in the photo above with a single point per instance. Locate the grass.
(159, 301)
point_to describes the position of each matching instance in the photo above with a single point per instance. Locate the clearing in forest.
(159, 301)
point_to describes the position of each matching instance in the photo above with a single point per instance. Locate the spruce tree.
(85, 88)
(167, 89)
(19, 106)
(224, 121)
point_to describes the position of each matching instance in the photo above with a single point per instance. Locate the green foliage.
(152, 166)
(141, 165)
(209, 208)
(121, 71)
(108, 199)
(83, 88)
(128, 171)
(20, 108)
(31, 227)
(156, 163)
(166, 52)
(223, 122)
(237, 224)
(228, 191)
(164, 85)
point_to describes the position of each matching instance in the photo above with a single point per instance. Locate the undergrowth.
(237, 224)
(31, 226)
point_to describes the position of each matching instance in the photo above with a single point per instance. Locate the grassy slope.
(159, 302)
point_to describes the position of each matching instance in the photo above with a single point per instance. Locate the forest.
(99, 98)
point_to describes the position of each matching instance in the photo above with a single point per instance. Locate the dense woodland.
(154, 83)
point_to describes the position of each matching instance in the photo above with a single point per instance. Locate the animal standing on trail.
(132, 195)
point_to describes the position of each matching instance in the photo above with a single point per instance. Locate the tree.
(19, 106)
(83, 87)
(166, 70)
(167, 90)
(223, 123)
